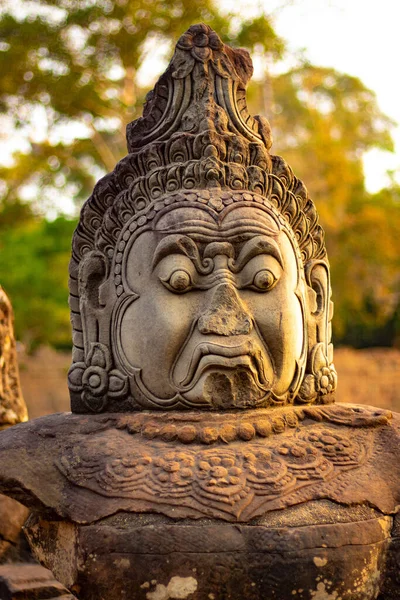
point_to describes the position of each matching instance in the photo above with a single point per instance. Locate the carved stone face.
(199, 276)
(216, 314)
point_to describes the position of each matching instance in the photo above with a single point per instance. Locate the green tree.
(69, 85)
(33, 269)
(366, 270)
(70, 68)
(69, 80)
(323, 123)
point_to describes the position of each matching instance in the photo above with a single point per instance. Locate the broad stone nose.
(226, 314)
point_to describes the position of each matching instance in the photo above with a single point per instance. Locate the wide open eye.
(264, 280)
(179, 281)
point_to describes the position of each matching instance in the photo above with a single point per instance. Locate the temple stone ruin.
(205, 457)
(12, 406)
(21, 578)
(12, 410)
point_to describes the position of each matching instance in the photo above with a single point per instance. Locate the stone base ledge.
(24, 581)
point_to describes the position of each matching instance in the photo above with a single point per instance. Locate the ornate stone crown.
(196, 146)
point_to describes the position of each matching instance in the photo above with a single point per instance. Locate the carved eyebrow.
(257, 245)
(180, 244)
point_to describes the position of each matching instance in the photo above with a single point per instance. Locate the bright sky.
(358, 37)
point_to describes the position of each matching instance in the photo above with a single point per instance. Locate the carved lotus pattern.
(267, 473)
(127, 470)
(336, 447)
(221, 473)
(323, 380)
(173, 472)
(217, 480)
(200, 40)
(326, 379)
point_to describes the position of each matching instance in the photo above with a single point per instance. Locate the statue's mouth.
(212, 356)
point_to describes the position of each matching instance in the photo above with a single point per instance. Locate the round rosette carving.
(95, 379)
(304, 459)
(221, 473)
(337, 448)
(266, 472)
(200, 40)
(201, 45)
(326, 380)
(323, 379)
(173, 473)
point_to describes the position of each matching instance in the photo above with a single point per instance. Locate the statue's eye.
(179, 281)
(264, 280)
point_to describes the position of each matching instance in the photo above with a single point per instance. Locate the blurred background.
(73, 73)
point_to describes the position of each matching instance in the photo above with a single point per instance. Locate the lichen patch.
(179, 588)
(319, 561)
(322, 593)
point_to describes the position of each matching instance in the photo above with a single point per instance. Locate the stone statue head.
(199, 277)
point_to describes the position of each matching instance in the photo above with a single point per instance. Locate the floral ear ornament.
(96, 379)
(322, 380)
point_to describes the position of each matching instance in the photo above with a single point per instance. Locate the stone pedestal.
(18, 581)
(298, 553)
(294, 502)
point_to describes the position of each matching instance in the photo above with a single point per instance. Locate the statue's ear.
(92, 275)
(320, 379)
(317, 277)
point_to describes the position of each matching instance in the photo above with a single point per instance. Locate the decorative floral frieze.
(227, 479)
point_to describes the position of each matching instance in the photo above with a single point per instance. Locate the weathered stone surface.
(157, 559)
(30, 582)
(104, 478)
(12, 410)
(12, 517)
(221, 468)
(87, 468)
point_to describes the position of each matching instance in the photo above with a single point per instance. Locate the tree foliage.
(34, 267)
(72, 76)
(70, 68)
(324, 122)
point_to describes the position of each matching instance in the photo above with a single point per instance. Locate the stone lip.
(85, 468)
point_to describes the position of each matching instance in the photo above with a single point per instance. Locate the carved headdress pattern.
(196, 142)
